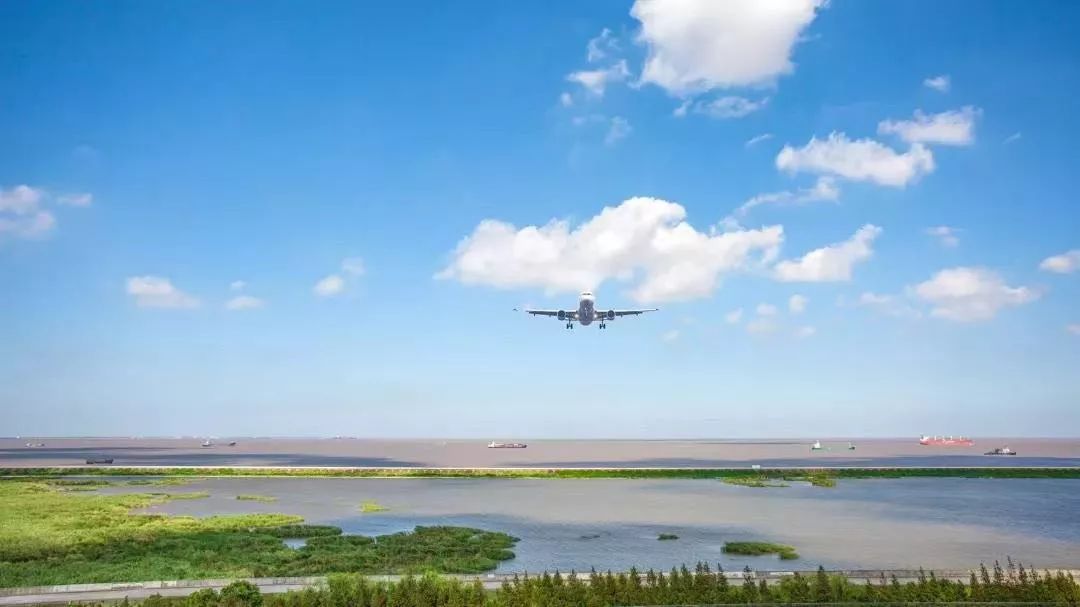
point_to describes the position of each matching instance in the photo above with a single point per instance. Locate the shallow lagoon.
(614, 523)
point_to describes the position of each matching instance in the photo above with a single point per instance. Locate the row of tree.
(997, 586)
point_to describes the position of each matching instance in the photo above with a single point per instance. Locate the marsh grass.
(256, 498)
(369, 506)
(755, 481)
(759, 549)
(50, 536)
(667, 536)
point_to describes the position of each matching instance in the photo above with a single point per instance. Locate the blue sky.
(383, 180)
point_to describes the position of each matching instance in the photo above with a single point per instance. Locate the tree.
(241, 594)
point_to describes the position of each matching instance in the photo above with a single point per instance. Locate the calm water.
(613, 523)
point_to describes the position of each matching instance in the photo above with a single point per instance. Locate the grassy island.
(50, 536)
(667, 536)
(256, 498)
(786, 553)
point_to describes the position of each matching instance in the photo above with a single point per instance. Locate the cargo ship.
(495, 445)
(946, 441)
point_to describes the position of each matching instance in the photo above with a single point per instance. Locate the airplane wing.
(569, 314)
(619, 313)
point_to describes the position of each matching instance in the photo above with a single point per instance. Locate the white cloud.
(1066, 263)
(888, 305)
(955, 127)
(601, 46)
(566, 100)
(329, 286)
(597, 81)
(970, 294)
(353, 266)
(670, 336)
(797, 304)
(761, 326)
(618, 129)
(824, 189)
(857, 160)
(764, 309)
(805, 331)
(21, 215)
(946, 235)
(831, 263)
(758, 139)
(733, 317)
(237, 285)
(244, 302)
(1011, 138)
(1074, 329)
(726, 107)
(20, 200)
(644, 241)
(940, 83)
(157, 292)
(699, 45)
(83, 199)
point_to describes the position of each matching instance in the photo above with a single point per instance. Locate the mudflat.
(459, 453)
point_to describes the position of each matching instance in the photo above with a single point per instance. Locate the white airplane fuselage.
(586, 311)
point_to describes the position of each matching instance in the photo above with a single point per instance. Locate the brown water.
(540, 453)
(614, 523)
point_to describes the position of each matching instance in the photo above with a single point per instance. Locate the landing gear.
(603, 325)
(569, 325)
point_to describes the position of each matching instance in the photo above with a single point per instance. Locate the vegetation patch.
(190, 495)
(760, 549)
(667, 536)
(754, 481)
(369, 506)
(256, 498)
(172, 481)
(50, 536)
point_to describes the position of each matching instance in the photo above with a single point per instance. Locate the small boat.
(207, 444)
(816, 446)
(232, 443)
(495, 445)
(1001, 451)
(851, 446)
(99, 460)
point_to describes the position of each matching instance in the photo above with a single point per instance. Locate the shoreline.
(836, 472)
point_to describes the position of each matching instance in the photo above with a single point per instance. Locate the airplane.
(586, 313)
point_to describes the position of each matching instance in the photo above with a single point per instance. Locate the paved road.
(92, 593)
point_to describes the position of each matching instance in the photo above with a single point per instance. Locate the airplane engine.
(610, 315)
(562, 315)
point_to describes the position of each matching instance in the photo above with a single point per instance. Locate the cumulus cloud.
(244, 302)
(764, 309)
(237, 285)
(158, 292)
(21, 215)
(330, 286)
(805, 331)
(831, 263)
(597, 81)
(857, 160)
(956, 127)
(733, 317)
(699, 45)
(761, 326)
(940, 83)
(83, 199)
(946, 235)
(1074, 329)
(758, 139)
(644, 241)
(1066, 263)
(797, 304)
(965, 294)
(723, 107)
(824, 189)
(566, 100)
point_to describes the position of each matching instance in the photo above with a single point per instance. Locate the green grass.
(667, 536)
(759, 549)
(369, 506)
(160, 482)
(191, 495)
(256, 498)
(755, 481)
(50, 536)
(795, 473)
